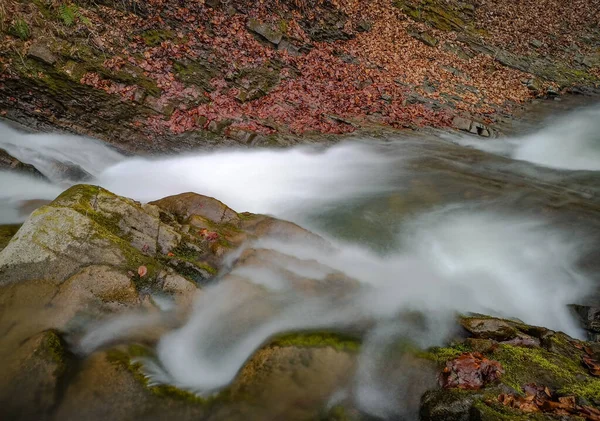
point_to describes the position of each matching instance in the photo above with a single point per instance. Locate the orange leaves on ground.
(588, 360)
(470, 371)
(209, 235)
(541, 399)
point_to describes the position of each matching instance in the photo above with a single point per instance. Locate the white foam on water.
(570, 142)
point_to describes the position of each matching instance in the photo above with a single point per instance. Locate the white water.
(455, 261)
(451, 259)
(569, 142)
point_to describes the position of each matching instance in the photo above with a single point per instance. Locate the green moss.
(154, 37)
(130, 75)
(494, 411)
(81, 198)
(130, 360)
(186, 252)
(283, 26)
(195, 73)
(443, 354)
(441, 15)
(536, 365)
(197, 272)
(339, 413)
(337, 341)
(7, 232)
(53, 344)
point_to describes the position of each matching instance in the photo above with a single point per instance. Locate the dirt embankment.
(167, 74)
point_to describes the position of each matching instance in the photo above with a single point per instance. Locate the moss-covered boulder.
(555, 363)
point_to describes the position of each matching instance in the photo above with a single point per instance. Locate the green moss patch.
(129, 358)
(6, 233)
(338, 341)
(154, 37)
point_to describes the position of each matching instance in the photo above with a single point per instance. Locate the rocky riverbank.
(165, 76)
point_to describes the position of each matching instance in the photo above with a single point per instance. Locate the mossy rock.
(154, 37)
(254, 83)
(443, 15)
(555, 364)
(338, 341)
(76, 224)
(196, 73)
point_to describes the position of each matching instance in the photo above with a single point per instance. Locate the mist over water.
(449, 258)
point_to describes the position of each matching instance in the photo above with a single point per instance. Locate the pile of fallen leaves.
(470, 371)
(542, 399)
(369, 68)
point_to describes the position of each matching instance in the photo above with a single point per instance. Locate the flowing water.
(425, 223)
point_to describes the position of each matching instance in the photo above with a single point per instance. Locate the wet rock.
(425, 37)
(533, 84)
(35, 250)
(9, 162)
(69, 172)
(472, 126)
(556, 364)
(447, 405)
(76, 261)
(181, 289)
(265, 31)
(286, 375)
(328, 28)
(266, 226)
(480, 129)
(461, 123)
(489, 328)
(590, 319)
(40, 51)
(254, 83)
(30, 377)
(186, 205)
(536, 43)
(243, 136)
(111, 376)
(218, 126)
(482, 346)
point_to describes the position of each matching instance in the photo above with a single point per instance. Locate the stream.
(428, 222)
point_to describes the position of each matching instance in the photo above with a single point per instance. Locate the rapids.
(420, 223)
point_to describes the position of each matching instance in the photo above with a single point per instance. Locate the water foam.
(570, 142)
(455, 262)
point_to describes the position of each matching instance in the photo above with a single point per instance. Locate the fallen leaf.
(592, 365)
(142, 271)
(470, 371)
